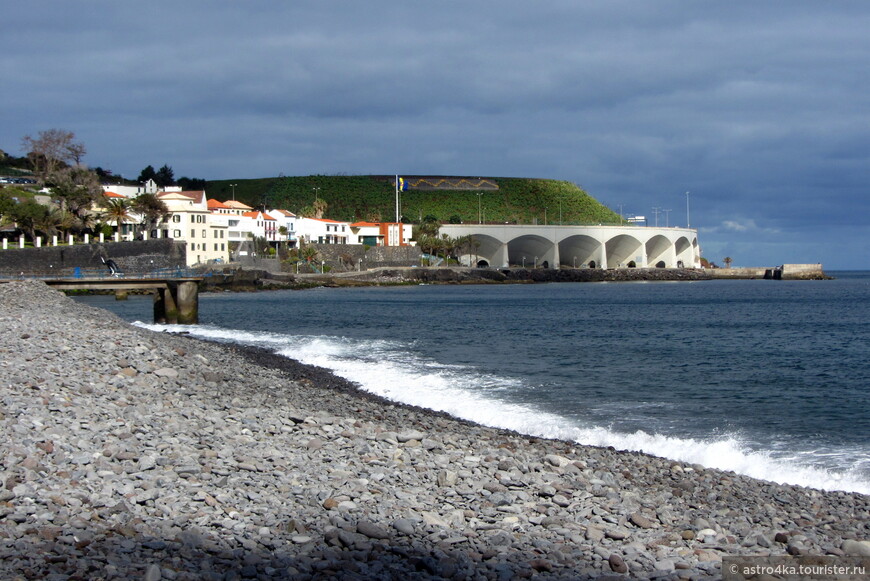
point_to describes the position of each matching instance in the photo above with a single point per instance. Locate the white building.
(239, 228)
(260, 225)
(149, 187)
(380, 233)
(322, 231)
(286, 220)
(191, 221)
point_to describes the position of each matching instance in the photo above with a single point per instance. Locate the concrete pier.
(176, 300)
(178, 304)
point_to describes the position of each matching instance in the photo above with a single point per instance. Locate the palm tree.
(727, 260)
(152, 209)
(308, 254)
(117, 210)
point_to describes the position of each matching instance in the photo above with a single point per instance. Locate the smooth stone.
(617, 564)
(404, 526)
(856, 548)
(371, 530)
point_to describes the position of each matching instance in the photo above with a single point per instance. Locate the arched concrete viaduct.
(578, 246)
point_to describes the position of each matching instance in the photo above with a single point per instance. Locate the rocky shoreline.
(129, 453)
(247, 279)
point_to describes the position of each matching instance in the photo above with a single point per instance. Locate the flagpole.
(397, 198)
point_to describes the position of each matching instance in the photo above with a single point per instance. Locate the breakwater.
(782, 272)
(147, 455)
(255, 279)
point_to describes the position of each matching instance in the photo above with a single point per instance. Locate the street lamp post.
(524, 261)
(234, 191)
(316, 190)
(575, 262)
(479, 209)
(656, 214)
(667, 221)
(687, 211)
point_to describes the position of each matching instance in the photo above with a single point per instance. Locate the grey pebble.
(149, 455)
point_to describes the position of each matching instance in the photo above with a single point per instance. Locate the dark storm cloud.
(759, 109)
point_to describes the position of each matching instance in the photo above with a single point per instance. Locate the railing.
(105, 274)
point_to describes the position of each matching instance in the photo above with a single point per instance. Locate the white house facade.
(323, 231)
(191, 221)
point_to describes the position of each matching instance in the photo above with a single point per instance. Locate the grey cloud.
(760, 109)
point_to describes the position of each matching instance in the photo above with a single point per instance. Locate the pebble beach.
(133, 454)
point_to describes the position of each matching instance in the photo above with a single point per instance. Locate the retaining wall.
(139, 256)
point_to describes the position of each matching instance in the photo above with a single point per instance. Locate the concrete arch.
(660, 250)
(531, 249)
(684, 250)
(623, 249)
(606, 246)
(579, 250)
(488, 249)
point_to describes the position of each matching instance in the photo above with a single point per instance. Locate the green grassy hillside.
(518, 200)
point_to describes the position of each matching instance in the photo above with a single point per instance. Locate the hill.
(500, 200)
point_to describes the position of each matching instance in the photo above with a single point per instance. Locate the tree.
(7, 204)
(428, 227)
(315, 210)
(152, 209)
(191, 183)
(52, 150)
(320, 207)
(77, 189)
(147, 174)
(464, 245)
(727, 260)
(118, 211)
(33, 217)
(164, 177)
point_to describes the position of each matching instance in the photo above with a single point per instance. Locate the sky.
(759, 109)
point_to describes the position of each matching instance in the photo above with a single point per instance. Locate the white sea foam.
(390, 370)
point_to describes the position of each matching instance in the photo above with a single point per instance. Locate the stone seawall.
(134, 257)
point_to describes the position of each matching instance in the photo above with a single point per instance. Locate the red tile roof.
(257, 215)
(214, 204)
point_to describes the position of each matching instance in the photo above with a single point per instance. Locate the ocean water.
(766, 378)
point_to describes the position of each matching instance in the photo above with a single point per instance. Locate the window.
(204, 234)
(176, 218)
(176, 233)
(192, 233)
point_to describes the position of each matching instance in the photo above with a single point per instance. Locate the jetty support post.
(187, 299)
(177, 303)
(165, 309)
